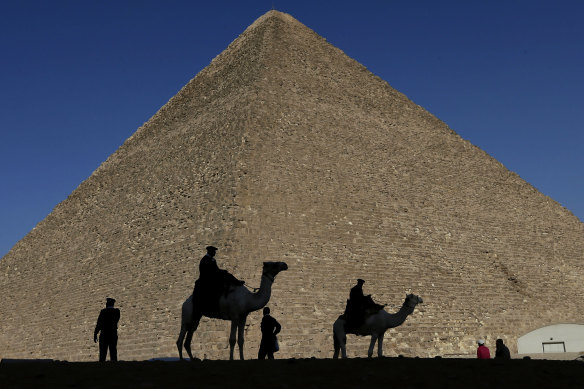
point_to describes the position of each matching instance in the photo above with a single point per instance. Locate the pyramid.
(284, 148)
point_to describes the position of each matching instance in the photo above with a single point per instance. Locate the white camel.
(375, 325)
(235, 307)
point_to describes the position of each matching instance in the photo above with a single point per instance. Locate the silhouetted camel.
(375, 325)
(235, 307)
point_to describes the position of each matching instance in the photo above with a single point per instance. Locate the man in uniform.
(270, 328)
(107, 324)
(501, 351)
(356, 294)
(355, 310)
(359, 305)
(212, 282)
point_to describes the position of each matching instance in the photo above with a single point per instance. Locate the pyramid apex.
(274, 14)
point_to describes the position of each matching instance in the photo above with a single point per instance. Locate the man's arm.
(278, 327)
(98, 326)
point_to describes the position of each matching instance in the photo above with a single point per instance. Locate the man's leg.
(202, 296)
(262, 353)
(102, 348)
(113, 348)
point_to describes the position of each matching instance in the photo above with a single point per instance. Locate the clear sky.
(79, 77)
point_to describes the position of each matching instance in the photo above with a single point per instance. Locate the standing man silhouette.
(107, 324)
(270, 328)
(501, 351)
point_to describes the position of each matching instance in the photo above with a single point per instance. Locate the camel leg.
(240, 337)
(188, 340)
(186, 327)
(338, 342)
(232, 339)
(190, 333)
(336, 345)
(380, 345)
(344, 346)
(372, 345)
(180, 340)
(342, 343)
(339, 339)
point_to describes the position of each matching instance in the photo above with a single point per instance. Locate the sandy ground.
(296, 373)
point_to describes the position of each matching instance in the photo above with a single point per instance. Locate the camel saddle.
(357, 311)
(208, 291)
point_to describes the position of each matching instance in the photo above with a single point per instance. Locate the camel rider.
(107, 328)
(359, 305)
(356, 293)
(208, 266)
(212, 282)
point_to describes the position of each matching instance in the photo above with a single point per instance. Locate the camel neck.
(396, 319)
(262, 296)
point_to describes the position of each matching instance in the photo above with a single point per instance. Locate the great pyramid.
(284, 148)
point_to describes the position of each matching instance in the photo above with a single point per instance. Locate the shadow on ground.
(296, 373)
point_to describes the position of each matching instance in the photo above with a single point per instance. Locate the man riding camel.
(359, 305)
(212, 282)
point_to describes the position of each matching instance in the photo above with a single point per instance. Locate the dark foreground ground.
(296, 373)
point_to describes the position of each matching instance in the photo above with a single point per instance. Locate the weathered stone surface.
(284, 148)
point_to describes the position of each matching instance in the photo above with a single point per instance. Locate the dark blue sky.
(79, 77)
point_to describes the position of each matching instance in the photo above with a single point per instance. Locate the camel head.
(271, 269)
(412, 300)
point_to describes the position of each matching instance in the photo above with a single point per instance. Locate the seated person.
(359, 306)
(212, 282)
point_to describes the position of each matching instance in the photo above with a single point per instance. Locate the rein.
(256, 289)
(251, 288)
